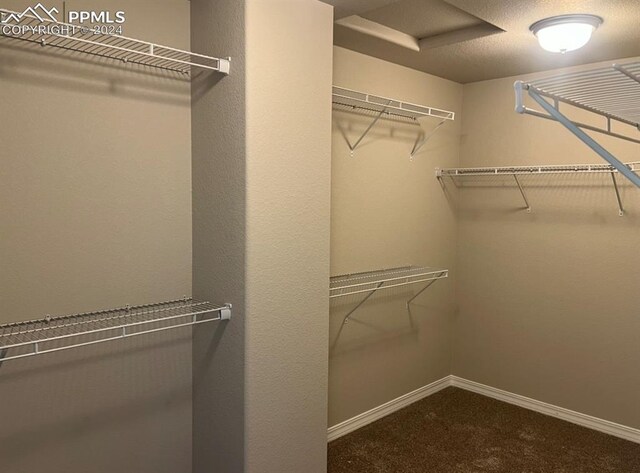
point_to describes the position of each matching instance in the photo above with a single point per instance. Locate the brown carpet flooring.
(455, 431)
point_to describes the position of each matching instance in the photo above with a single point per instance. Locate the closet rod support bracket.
(353, 147)
(373, 291)
(421, 291)
(618, 198)
(418, 146)
(519, 87)
(524, 196)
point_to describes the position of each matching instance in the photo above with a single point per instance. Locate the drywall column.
(289, 68)
(261, 235)
(218, 154)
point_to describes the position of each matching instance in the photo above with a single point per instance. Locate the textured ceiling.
(511, 52)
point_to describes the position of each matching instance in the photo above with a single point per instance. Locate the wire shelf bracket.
(383, 107)
(371, 281)
(418, 146)
(516, 171)
(612, 93)
(48, 32)
(51, 334)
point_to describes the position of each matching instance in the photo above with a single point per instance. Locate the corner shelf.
(383, 107)
(515, 171)
(610, 93)
(51, 334)
(112, 46)
(372, 281)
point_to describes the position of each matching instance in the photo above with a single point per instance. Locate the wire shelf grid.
(533, 170)
(76, 38)
(612, 91)
(36, 337)
(348, 99)
(370, 281)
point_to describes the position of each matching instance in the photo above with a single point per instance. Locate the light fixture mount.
(564, 33)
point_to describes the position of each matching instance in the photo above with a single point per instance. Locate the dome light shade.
(560, 34)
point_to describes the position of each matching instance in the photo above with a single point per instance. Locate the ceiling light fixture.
(560, 34)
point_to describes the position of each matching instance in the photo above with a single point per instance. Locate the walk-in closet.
(340, 236)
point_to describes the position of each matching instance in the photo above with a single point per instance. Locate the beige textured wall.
(548, 301)
(97, 207)
(388, 211)
(289, 56)
(95, 211)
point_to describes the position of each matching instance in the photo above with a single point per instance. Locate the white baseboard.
(594, 423)
(584, 420)
(349, 425)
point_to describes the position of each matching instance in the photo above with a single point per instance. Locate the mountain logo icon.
(39, 12)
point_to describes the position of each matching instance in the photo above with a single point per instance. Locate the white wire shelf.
(516, 171)
(49, 33)
(612, 94)
(532, 170)
(360, 101)
(611, 91)
(51, 334)
(372, 281)
(356, 283)
(383, 107)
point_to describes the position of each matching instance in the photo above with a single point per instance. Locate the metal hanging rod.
(612, 93)
(51, 334)
(515, 171)
(371, 281)
(73, 37)
(383, 107)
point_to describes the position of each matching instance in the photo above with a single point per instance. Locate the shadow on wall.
(28, 63)
(30, 367)
(70, 408)
(571, 199)
(209, 337)
(382, 318)
(202, 83)
(353, 126)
